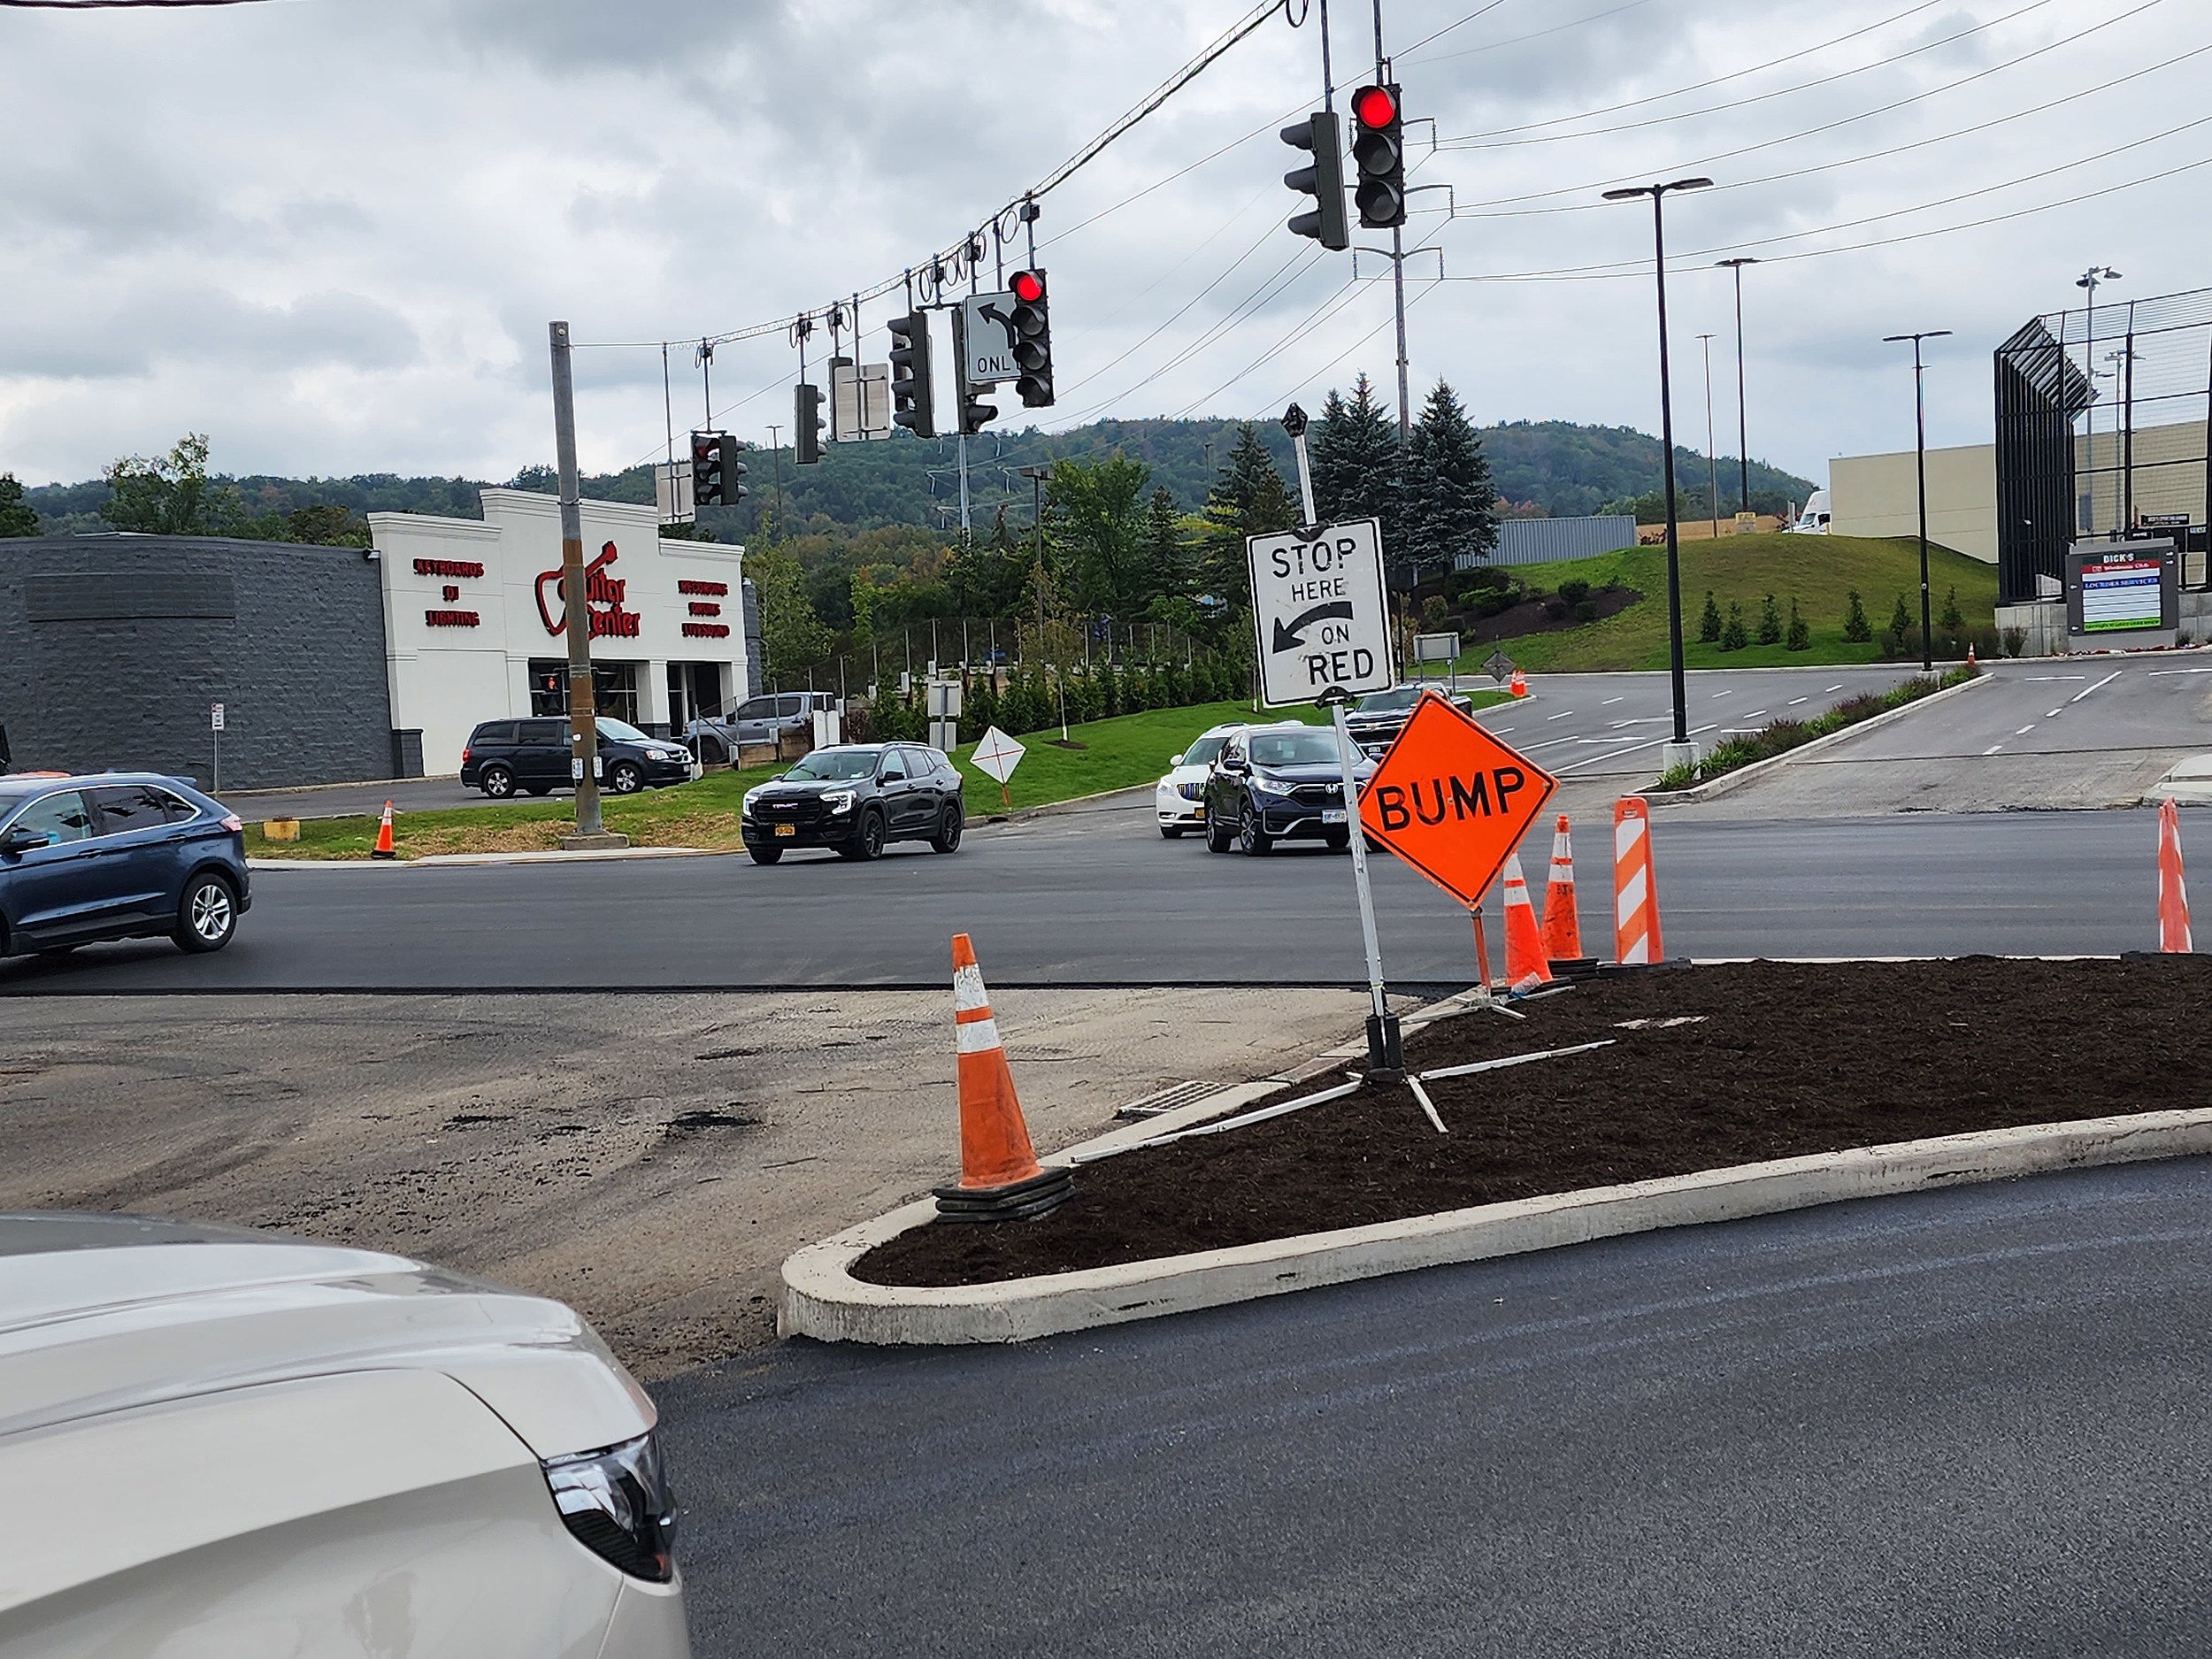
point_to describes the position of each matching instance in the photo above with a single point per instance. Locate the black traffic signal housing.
(715, 470)
(1033, 339)
(1321, 178)
(806, 424)
(1378, 147)
(913, 396)
(974, 413)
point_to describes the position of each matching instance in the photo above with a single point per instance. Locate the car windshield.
(1308, 748)
(1202, 752)
(833, 766)
(1392, 702)
(621, 731)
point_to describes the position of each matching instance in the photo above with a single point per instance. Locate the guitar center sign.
(611, 617)
(1320, 621)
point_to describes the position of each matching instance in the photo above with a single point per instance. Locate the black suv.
(857, 798)
(504, 755)
(1273, 783)
(1377, 718)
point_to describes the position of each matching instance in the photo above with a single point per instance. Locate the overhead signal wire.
(1476, 212)
(1534, 34)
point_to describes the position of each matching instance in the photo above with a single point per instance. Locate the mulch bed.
(1530, 617)
(1787, 1059)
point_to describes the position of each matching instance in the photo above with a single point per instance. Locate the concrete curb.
(435, 860)
(820, 1298)
(1727, 781)
(2187, 783)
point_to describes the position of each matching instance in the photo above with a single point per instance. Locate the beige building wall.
(2168, 472)
(1879, 495)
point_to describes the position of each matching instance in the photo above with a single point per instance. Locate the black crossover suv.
(1273, 783)
(857, 798)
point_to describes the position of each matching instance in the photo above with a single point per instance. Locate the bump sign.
(1321, 623)
(1451, 800)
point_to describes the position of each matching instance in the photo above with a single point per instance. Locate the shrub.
(1586, 611)
(1433, 611)
(1770, 622)
(1493, 601)
(2015, 641)
(1951, 621)
(1574, 590)
(1800, 635)
(1708, 624)
(1900, 619)
(1733, 637)
(1856, 626)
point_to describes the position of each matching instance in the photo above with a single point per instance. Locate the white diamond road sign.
(997, 755)
(1319, 613)
(986, 338)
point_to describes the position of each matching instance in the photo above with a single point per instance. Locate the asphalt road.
(1097, 897)
(1970, 1422)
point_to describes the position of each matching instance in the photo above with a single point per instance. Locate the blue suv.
(117, 856)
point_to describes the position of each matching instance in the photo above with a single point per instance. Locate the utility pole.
(1743, 422)
(1920, 458)
(775, 445)
(583, 724)
(1397, 278)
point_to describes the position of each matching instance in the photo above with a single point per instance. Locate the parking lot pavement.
(650, 1159)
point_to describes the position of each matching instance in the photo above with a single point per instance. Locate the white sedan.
(1180, 798)
(228, 1442)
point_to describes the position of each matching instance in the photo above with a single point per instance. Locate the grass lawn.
(1132, 748)
(1817, 569)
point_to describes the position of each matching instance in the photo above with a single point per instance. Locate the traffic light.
(715, 470)
(975, 414)
(1378, 147)
(1033, 339)
(1322, 178)
(913, 398)
(806, 424)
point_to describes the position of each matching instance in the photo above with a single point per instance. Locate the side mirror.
(1174, 760)
(893, 777)
(20, 840)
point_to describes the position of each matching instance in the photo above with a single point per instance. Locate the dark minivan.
(857, 798)
(532, 755)
(117, 856)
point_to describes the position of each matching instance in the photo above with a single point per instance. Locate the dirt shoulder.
(1703, 1068)
(650, 1160)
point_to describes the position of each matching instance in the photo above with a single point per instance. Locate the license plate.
(1332, 815)
(793, 829)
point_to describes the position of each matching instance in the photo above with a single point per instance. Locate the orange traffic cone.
(2173, 893)
(1970, 663)
(1524, 964)
(1519, 685)
(383, 848)
(1635, 892)
(1562, 930)
(999, 1176)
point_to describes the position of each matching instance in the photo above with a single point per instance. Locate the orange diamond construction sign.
(1451, 800)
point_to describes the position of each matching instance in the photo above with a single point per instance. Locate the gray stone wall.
(113, 647)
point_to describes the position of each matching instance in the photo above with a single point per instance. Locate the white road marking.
(1729, 693)
(1562, 715)
(1992, 748)
(2163, 673)
(1793, 701)
(1549, 742)
(1755, 714)
(2032, 679)
(1610, 701)
(1505, 728)
(2100, 685)
(1648, 742)
(2054, 714)
(1835, 687)
(2025, 730)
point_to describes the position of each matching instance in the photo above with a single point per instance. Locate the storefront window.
(614, 689)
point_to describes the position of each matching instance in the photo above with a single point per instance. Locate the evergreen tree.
(1451, 506)
(1800, 635)
(1951, 621)
(1769, 623)
(1248, 498)
(17, 517)
(1708, 624)
(1900, 619)
(1857, 628)
(1358, 470)
(1733, 637)
(1169, 574)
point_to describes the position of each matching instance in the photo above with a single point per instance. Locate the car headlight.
(618, 1503)
(838, 800)
(745, 807)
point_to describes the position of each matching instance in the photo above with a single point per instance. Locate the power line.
(1534, 34)
(119, 5)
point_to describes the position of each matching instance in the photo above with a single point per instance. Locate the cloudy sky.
(330, 232)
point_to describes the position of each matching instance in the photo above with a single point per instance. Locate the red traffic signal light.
(1029, 286)
(1375, 107)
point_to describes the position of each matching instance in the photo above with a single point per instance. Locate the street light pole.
(1712, 461)
(1920, 458)
(1743, 425)
(1680, 752)
(2090, 280)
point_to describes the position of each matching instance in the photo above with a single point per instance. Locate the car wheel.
(867, 841)
(764, 855)
(1336, 841)
(711, 753)
(1251, 839)
(209, 915)
(623, 779)
(946, 839)
(1217, 836)
(498, 782)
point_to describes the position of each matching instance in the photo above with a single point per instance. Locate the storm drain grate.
(1166, 1100)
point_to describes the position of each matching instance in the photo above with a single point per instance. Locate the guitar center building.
(475, 618)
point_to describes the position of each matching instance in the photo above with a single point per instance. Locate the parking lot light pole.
(1680, 752)
(1920, 461)
(1743, 420)
(583, 724)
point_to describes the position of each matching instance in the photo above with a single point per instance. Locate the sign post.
(215, 725)
(1322, 628)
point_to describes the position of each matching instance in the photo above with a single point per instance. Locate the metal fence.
(1554, 541)
(913, 651)
(2101, 430)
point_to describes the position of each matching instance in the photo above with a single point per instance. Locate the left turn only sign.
(1320, 621)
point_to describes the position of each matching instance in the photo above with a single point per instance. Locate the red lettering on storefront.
(603, 600)
(706, 630)
(713, 590)
(451, 619)
(447, 567)
(701, 608)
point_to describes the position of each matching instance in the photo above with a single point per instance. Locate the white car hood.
(105, 1313)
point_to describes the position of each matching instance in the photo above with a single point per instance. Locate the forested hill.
(1551, 468)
